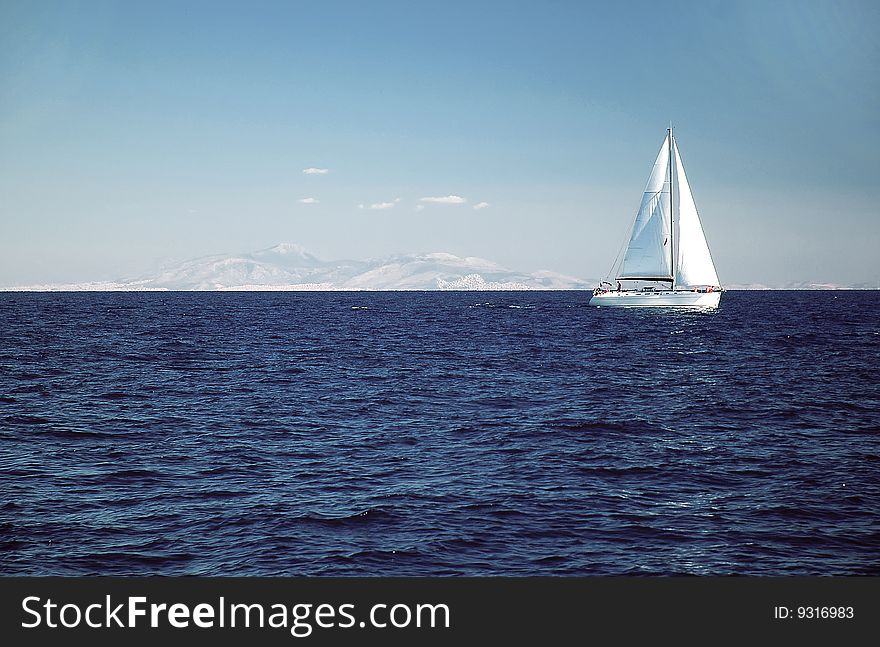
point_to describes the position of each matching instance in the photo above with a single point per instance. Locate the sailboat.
(667, 261)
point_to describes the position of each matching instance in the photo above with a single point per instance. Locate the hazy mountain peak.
(287, 253)
(289, 248)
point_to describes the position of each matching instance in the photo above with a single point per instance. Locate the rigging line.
(623, 244)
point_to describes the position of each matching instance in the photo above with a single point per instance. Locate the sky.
(136, 134)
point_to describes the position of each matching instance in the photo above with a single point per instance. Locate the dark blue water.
(438, 434)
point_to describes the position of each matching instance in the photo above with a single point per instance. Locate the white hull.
(659, 299)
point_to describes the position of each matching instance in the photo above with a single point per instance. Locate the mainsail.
(694, 265)
(649, 253)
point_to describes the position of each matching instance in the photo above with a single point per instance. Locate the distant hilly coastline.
(290, 267)
(801, 285)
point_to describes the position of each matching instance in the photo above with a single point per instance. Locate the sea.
(438, 434)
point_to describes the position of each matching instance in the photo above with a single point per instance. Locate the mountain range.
(289, 266)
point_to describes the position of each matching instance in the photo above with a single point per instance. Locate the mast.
(671, 212)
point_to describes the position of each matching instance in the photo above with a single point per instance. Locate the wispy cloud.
(316, 171)
(309, 200)
(419, 207)
(481, 205)
(447, 199)
(380, 205)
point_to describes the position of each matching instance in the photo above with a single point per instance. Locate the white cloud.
(316, 171)
(310, 201)
(448, 199)
(380, 205)
(419, 207)
(481, 205)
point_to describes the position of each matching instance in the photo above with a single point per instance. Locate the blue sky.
(133, 134)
